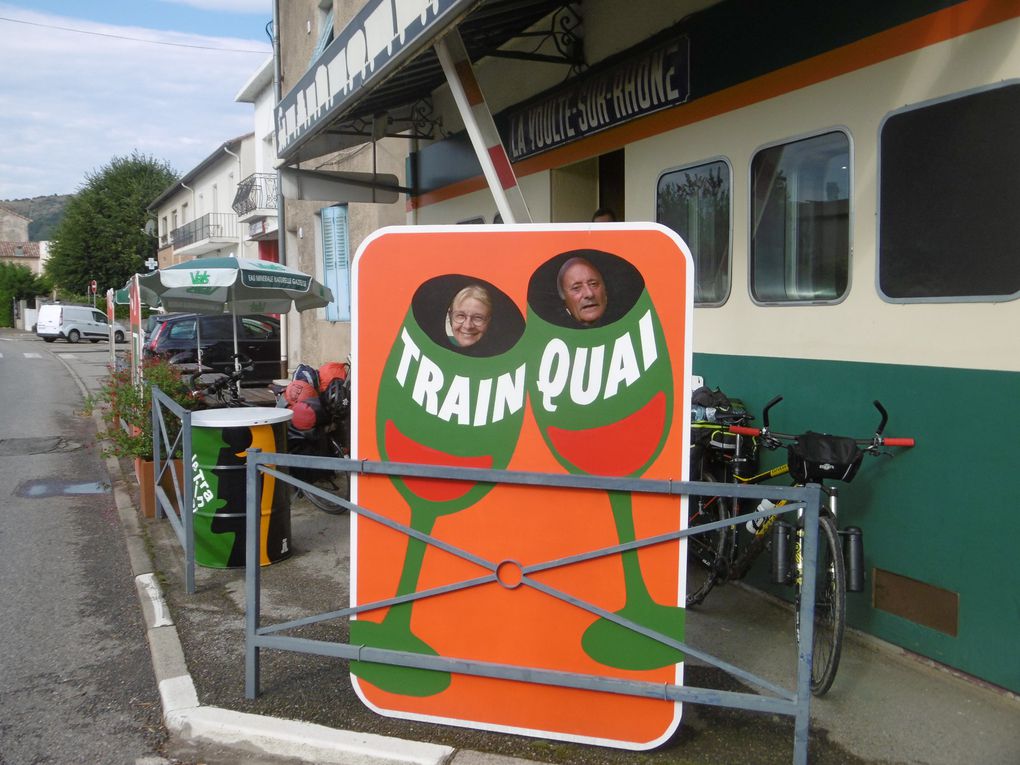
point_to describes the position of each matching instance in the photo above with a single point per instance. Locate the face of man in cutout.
(584, 292)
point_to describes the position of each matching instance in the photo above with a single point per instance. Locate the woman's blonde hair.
(476, 291)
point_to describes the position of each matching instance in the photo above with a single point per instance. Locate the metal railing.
(209, 226)
(176, 509)
(256, 192)
(773, 699)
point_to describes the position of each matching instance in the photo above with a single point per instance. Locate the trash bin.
(220, 439)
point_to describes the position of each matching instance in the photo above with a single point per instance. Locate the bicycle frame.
(742, 560)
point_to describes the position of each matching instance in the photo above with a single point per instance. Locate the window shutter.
(325, 37)
(336, 262)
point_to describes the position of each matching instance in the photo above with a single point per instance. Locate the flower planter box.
(145, 472)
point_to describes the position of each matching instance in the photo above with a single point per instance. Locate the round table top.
(240, 416)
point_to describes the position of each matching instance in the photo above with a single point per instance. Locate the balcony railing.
(256, 192)
(220, 227)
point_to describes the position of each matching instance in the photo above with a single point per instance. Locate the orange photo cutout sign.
(560, 350)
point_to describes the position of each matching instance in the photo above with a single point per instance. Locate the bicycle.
(812, 458)
(330, 438)
(215, 389)
(324, 440)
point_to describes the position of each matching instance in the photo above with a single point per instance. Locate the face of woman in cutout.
(469, 318)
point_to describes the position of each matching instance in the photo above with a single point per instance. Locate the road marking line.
(160, 612)
(68, 356)
(33, 355)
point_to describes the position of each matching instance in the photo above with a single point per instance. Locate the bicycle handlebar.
(224, 381)
(897, 442)
(873, 443)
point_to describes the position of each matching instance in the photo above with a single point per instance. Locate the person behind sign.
(603, 215)
(583, 291)
(468, 316)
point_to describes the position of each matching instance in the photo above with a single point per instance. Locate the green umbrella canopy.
(239, 285)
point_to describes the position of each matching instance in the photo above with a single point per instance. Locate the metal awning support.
(340, 186)
(481, 128)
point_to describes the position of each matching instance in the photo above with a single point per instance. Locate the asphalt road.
(76, 679)
(76, 682)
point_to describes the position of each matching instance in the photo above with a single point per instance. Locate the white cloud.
(73, 101)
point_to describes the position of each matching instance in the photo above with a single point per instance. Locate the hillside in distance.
(45, 212)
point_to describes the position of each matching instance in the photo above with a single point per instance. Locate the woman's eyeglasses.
(475, 319)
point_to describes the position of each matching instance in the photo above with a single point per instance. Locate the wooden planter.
(145, 472)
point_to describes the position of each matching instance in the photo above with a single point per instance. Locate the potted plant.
(126, 409)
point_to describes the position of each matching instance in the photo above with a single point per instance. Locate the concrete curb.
(288, 738)
(185, 716)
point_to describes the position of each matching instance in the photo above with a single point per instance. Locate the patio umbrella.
(235, 285)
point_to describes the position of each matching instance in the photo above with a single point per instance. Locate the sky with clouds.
(84, 81)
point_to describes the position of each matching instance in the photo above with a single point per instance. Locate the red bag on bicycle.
(814, 456)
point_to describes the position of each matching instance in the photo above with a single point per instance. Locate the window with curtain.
(695, 202)
(336, 271)
(800, 220)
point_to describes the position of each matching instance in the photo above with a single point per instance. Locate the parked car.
(152, 321)
(176, 337)
(74, 323)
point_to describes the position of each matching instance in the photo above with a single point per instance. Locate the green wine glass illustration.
(602, 396)
(452, 393)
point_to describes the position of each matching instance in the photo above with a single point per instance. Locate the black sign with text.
(645, 83)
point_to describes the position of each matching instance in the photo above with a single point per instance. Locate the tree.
(102, 233)
(17, 282)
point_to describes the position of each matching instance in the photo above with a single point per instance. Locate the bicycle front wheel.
(830, 608)
(335, 483)
(708, 552)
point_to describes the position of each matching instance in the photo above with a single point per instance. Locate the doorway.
(577, 190)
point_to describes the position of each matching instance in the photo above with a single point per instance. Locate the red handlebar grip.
(897, 442)
(744, 431)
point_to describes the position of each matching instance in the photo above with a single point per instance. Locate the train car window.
(695, 202)
(800, 221)
(948, 226)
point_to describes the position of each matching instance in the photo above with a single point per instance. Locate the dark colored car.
(151, 322)
(176, 337)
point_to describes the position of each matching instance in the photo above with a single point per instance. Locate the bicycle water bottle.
(781, 531)
(753, 526)
(853, 554)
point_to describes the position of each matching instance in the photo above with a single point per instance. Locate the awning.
(383, 62)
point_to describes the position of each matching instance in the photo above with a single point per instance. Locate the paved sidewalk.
(885, 707)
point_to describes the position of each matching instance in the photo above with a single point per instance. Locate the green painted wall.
(946, 512)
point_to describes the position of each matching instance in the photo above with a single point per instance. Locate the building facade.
(846, 182)
(13, 226)
(256, 199)
(195, 217)
(322, 231)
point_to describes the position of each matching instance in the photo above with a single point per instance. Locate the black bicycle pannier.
(814, 456)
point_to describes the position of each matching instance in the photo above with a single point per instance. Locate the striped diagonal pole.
(481, 129)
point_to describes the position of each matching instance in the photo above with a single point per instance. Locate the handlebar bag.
(814, 456)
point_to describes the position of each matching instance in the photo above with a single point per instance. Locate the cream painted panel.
(863, 327)
(534, 187)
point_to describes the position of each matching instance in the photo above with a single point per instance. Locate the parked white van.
(74, 323)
